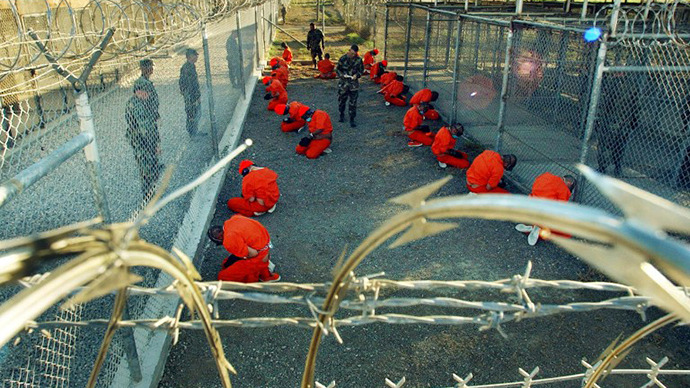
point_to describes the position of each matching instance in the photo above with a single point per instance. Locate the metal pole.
(504, 90)
(323, 20)
(427, 43)
(584, 9)
(241, 61)
(407, 41)
(287, 33)
(256, 35)
(385, 34)
(647, 6)
(614, 18)
(209, 89)
(450, 32)
(130, 347)
(375, 26)
(476, 45)
(594, 100)
(456, 69)
(567, 6)
(467, 5)
(91, 153)
(32, 174)
(562, 51)
(518, 7)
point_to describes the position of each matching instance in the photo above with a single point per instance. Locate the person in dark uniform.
(315, 43)
(189, 87)
(349, 69)
(143, 136)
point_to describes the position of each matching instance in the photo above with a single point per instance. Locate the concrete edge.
(154, 347)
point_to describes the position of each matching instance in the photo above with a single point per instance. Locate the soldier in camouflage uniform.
(189, 87)
(349, 69)
(143, 136)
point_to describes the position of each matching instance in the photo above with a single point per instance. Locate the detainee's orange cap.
(302, 110)
(245, 164)
(266, 80)
(384, 63)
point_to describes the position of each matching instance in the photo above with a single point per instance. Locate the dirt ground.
(335, 202)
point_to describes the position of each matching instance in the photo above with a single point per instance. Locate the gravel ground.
(335, 202)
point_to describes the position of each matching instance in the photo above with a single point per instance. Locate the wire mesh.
(549, 83)
(137, 139)
(640, 133)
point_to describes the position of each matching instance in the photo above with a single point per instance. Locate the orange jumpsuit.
(278, 92)
(443, 142)
(487, 168)
(551, 186)
(287, 55)
(388, 77)
(239, 233)
(258, 184)
(412, 120)
(294, 121)
(320, 121)
(281, 74)
(376, 72)
(326, 68)
(368, 60)
(392, 93)
(421, 96)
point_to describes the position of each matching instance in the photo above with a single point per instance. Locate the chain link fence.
(141, 127)
(528, 86)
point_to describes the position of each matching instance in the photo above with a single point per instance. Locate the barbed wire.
(645, 24)
(72, 34)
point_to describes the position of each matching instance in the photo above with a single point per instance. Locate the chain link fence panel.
(141, 127)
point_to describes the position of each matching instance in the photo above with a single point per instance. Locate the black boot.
(342, 117)
(352, 122)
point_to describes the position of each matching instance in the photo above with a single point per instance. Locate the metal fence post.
(562, 51)
(375, 29)
(241, 61)
(209, 89)
(91, 153)
(456, 68)
(256, 35)
(450, 32)
(504, 89)
(407, 40)
(476, 45)
(592, 108)
(385, 33)
(427, 43)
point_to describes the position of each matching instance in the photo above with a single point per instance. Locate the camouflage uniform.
(143, 136)
(348, 87)
(189, 87)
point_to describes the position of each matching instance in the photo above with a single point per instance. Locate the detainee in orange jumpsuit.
(326, 68)
(249, 245)
(275, 92)
(368, 59)
(425, 97)
(486, 172)
(260, 191)
(388, 77)
(320, 133)
(394, 92)
(444, 147)
(294, 122)
(287, 53)
(548, 186)
(279, 71)
(377, 70)
(418, 133)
